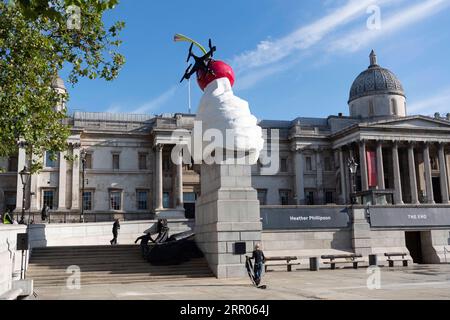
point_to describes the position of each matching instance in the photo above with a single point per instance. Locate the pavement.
(399, 283)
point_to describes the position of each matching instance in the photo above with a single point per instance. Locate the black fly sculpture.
(201, 63)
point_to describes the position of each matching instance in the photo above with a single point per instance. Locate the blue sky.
(291, 58)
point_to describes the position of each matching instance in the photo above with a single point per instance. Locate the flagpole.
(189, 95)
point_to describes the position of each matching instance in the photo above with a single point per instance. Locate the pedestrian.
(260, 259)
(115, 231)
(44, 212)
(6, 219)
(144, 244)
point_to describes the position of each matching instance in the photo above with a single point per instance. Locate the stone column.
(179, 181)
(76, 179)
(299, 177)
(319, 177)
(35, 199)
(363, 165)
(428, 178)
(380, 168)
(443, 174)
(412, 175)
(159, 178)
(21, 163)
(398, 198)
(62, 182)
(342, 174)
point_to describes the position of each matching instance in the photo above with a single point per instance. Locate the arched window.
(394, 110)
(371, 111)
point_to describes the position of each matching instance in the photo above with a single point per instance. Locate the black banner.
(278, 218)
(409, 217)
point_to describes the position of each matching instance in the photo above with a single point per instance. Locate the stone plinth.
(227, 212)
(361, 239)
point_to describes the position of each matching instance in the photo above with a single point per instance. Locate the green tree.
(37, 39)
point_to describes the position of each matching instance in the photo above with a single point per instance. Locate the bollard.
(373, 261)
(314, 264)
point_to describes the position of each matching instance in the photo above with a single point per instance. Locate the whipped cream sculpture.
(219, 108)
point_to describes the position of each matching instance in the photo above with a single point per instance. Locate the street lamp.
(353, 167)
(25, 177)
(83, 164)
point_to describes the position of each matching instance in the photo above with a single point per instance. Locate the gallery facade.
(403, 161)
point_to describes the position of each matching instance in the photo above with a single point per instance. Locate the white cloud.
(268, 52)
(357, 39)
(439, 102)
(149, 106)
(157, 102)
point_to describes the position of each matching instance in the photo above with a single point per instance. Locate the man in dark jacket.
(115, 231)
(260, 259)
(44, 212)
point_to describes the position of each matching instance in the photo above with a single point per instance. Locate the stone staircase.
(105, 265)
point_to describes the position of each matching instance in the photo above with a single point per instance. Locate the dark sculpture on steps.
(172, 250)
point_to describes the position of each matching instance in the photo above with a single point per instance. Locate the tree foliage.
(37, 39)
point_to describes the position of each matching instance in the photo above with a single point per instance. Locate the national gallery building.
(402, 176)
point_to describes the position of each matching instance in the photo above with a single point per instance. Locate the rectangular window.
(142, 199)
(10, 201)
(87, 200)
(329, 197)
(51, 159)
(88, 161)
(283, 165)
(116, 161)
(262, 196)
(12, 164)
(284, 197)
(308, 163)
(189, 197)
(166, 200)
(115, 200)
(142, 161)
(310, 198)
(49, 198)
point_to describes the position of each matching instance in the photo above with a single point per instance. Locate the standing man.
(44, 212)
(259, 257)
(115, 231)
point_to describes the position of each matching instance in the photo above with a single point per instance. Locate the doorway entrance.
(414, 245)
(437, 190)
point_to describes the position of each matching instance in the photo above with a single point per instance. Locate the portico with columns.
(403, 163)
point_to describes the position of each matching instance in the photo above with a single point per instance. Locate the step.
(123, 281)
(115, 267)
(89, 261)
(136, 268)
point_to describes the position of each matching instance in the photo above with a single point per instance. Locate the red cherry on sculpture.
(220, 70)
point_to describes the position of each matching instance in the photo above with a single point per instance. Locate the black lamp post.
(83, 164)
(353, 167)
(25, 177)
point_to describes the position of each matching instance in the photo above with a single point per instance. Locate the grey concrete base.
(170, 214)
(25, 285)
(226, 213)
(361, 238)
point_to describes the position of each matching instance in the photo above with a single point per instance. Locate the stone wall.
(10, 259)
(48, 235)
(306, 242)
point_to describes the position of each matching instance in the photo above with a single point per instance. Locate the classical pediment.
(415, 122)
